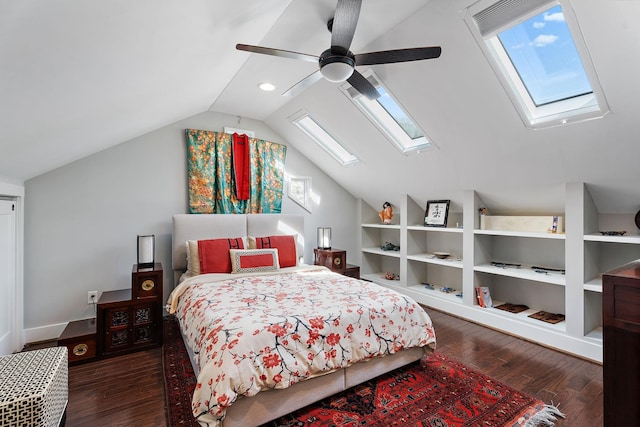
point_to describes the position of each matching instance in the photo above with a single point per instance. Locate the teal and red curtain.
(217, 173)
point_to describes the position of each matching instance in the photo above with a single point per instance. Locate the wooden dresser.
(126, 320)
(621, 367)
(131, 319)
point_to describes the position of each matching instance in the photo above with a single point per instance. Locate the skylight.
(309, 126)
(389, 117)
(537, 51)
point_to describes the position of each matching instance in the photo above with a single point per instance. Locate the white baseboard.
(44, 333)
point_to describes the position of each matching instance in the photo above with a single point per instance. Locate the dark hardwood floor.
(121, 391)
(129, 391)
(573, 384)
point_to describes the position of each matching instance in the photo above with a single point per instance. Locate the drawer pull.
(80, 349)
(148, 285)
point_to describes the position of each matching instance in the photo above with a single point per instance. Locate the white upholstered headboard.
(205, 226)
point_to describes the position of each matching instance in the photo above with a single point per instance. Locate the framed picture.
(300, 191)
(436, 213)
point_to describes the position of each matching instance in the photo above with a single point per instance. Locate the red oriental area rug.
(438, 392)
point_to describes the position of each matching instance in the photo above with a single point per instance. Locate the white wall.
(81, 220)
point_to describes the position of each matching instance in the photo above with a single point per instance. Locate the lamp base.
(145, 265)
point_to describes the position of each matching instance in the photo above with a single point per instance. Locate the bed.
(260, 362)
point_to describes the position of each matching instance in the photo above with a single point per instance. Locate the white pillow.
(252, 260)
(193, 261)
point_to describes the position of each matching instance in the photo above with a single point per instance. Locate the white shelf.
(523, 316)
(524, 272)
(378, 251)
(596, 334)
(432, 259)
(559, 236)
(594, 285)
(597, 237)
(436, 229)
(378, 278)
(385, 226)
(436, 293)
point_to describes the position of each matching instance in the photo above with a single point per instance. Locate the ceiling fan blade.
(303, 84)
(398, 55)
(277, 52)
(344, 25)
(362, 85)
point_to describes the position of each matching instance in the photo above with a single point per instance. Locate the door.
(7, 277)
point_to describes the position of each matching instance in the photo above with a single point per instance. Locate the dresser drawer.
(80, 339)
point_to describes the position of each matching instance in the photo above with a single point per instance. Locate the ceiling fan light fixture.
(337, 64)
(336, 68)
(337, 72)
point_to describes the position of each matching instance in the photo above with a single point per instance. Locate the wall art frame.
(436, 213)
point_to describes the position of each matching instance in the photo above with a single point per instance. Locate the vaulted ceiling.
(79, 76)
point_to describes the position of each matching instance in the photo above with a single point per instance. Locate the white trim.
(305, 182)
(17, 193)
(13, 190)
(44, 333)
(384, 121)
(314, 130)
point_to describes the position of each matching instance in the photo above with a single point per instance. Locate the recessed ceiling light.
(267, 87)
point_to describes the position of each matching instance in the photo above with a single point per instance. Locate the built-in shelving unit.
(602, 253)
(570, 284)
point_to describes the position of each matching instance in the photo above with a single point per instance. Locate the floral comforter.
(259, 332)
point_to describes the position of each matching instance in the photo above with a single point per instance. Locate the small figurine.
(386, 213)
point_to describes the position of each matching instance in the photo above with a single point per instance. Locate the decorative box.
(533, 224)
(34, 388)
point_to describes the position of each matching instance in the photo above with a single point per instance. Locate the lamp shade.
(324, 237)
(336, 67)
(337, 71)
(146, 251)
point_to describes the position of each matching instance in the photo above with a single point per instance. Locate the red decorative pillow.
(213, 254)
(251, 260)
(286, 246)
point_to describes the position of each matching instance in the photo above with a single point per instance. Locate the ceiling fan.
(338, 63)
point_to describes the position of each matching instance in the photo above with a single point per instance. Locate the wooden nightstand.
(352, 271)
(333, 259)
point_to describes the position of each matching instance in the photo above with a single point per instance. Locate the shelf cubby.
(593, 315)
